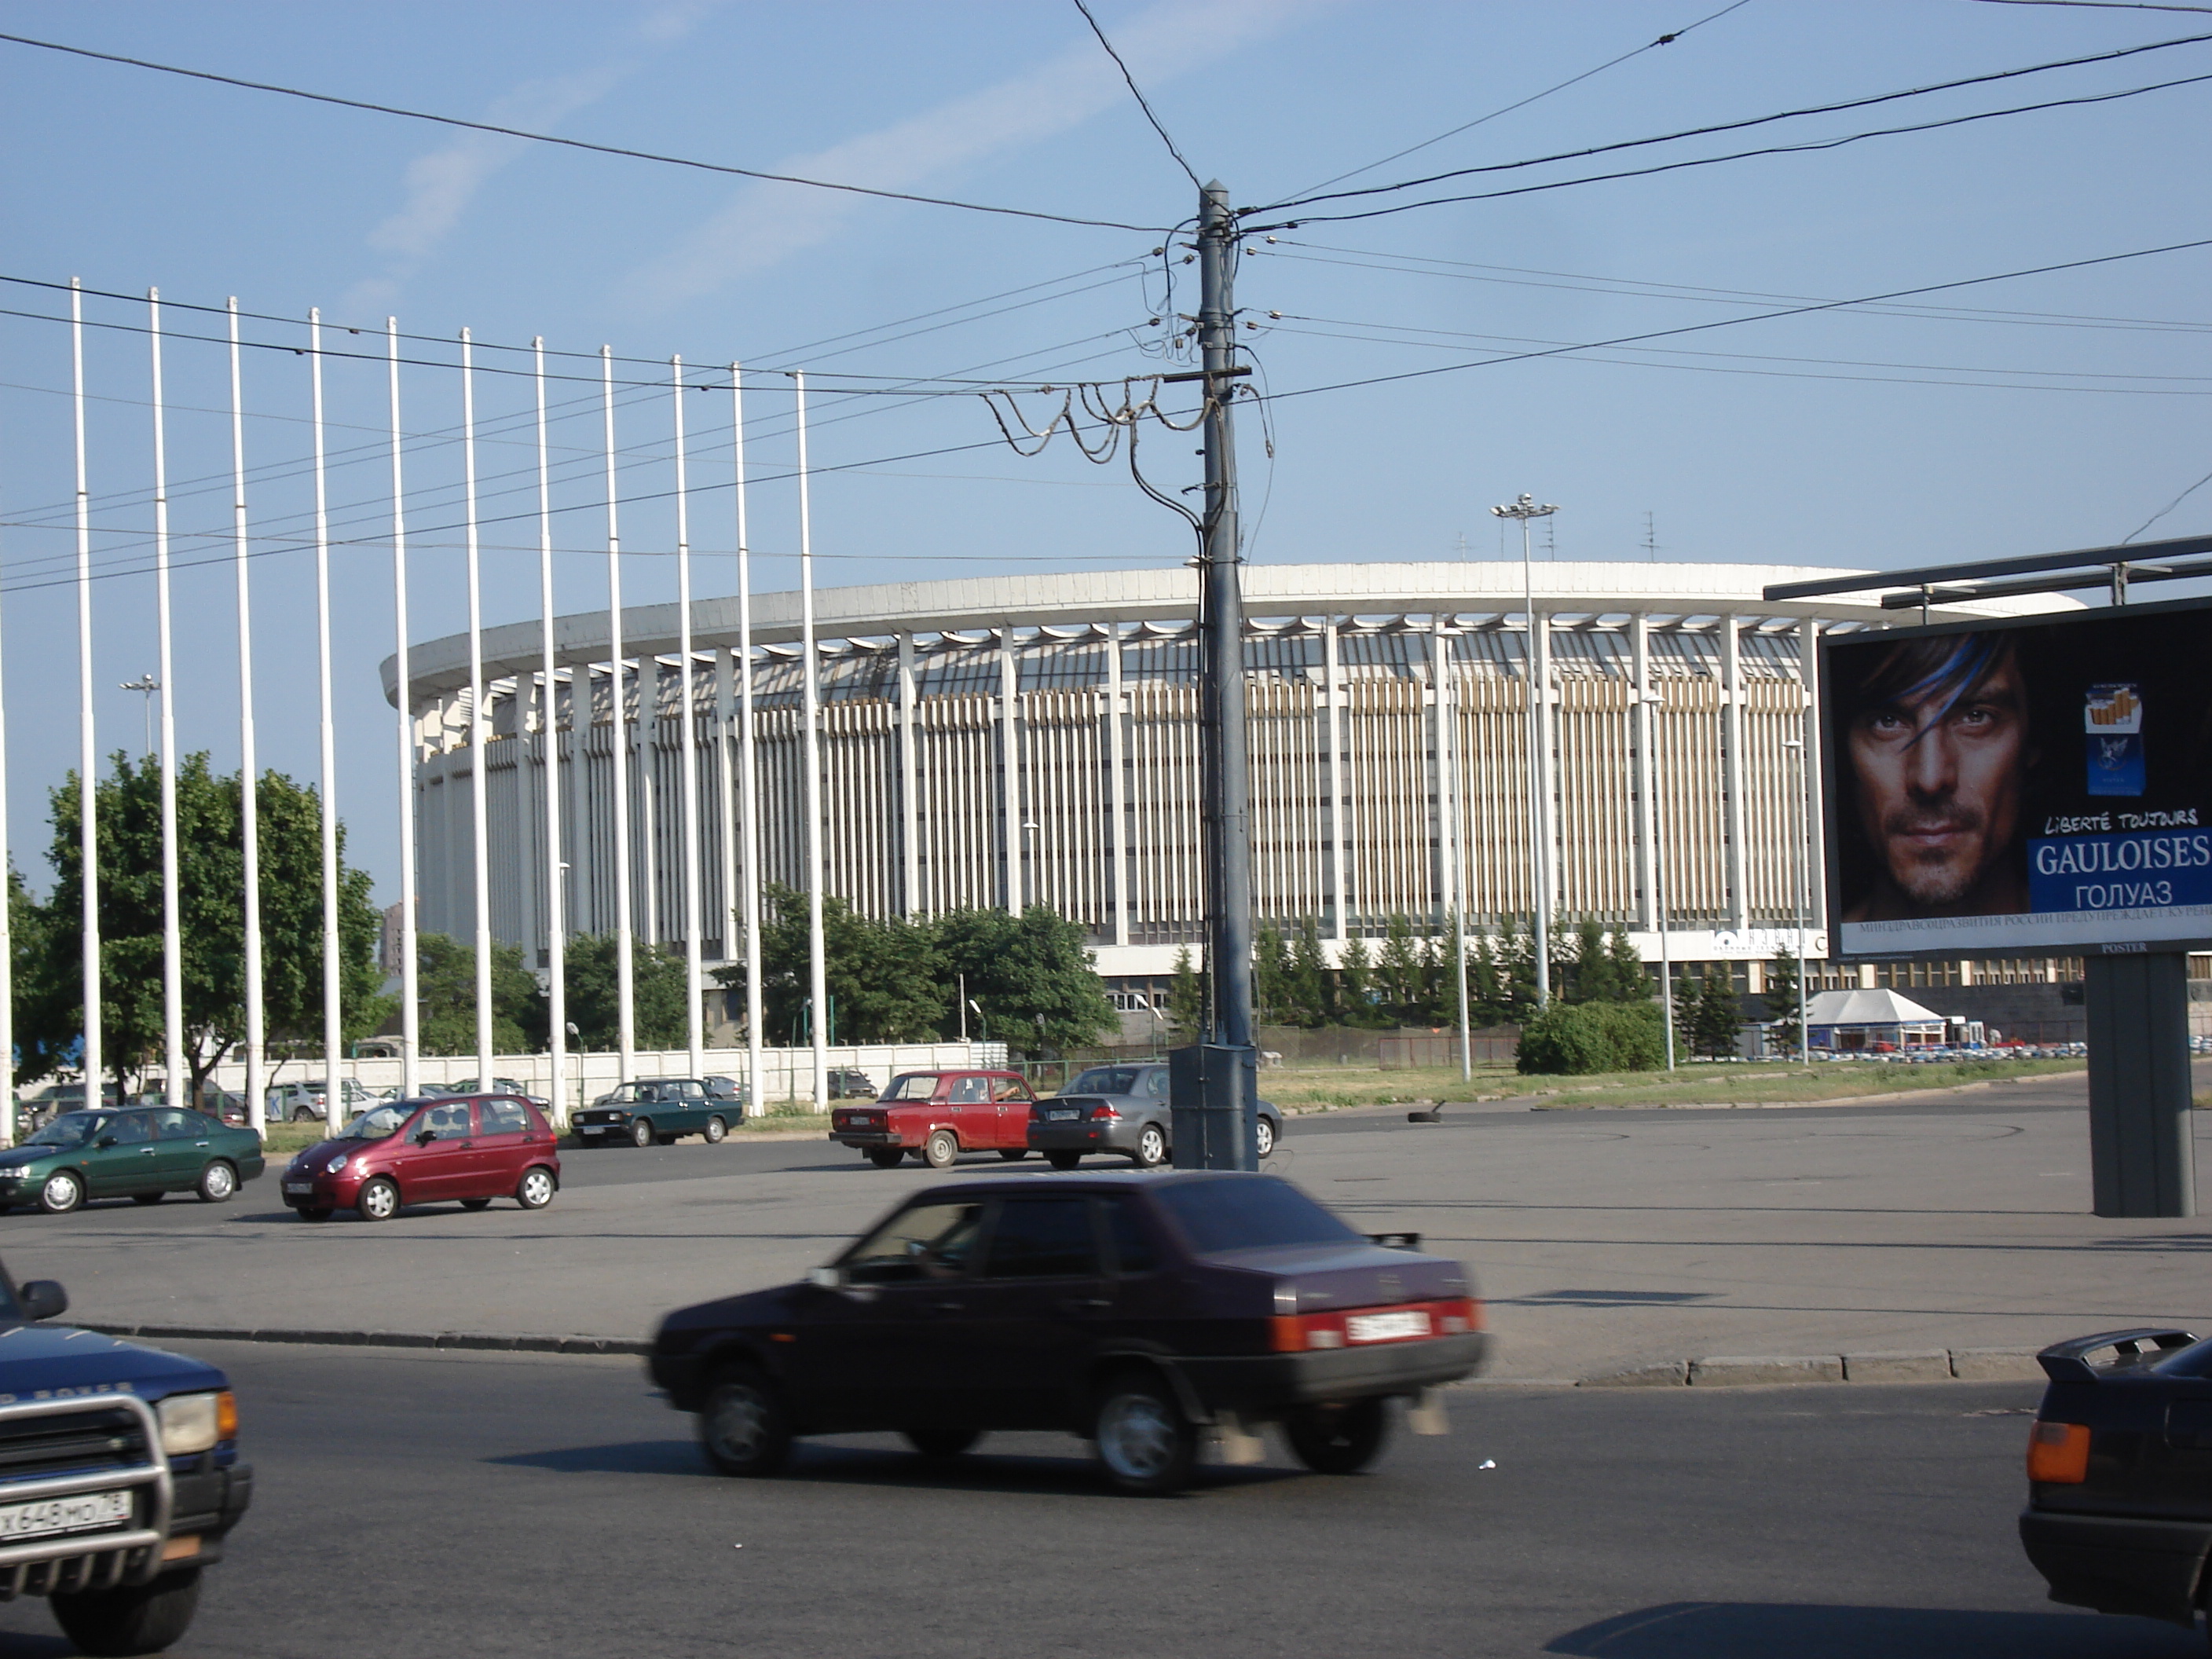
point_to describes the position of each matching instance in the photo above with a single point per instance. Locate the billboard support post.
(2141, 1159)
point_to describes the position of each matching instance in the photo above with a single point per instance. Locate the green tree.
(211, 882)
(1309, 991)
(1271, 977)
(1489, 999)
(1031, 974)
(1717, 1016)
(1580, 1038)
(1781, 999)
(1590, 978)
(885, 980)
(445, 998)
(1185, 999)
(657, 993)
(1398, 969)
(1632, 981)
(1356, 995)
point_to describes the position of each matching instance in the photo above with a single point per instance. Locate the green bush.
(1578, 1039)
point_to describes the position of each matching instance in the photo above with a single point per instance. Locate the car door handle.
(1085, 1304)
(947, 1307)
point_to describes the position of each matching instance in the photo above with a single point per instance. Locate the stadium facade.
(1017, 739)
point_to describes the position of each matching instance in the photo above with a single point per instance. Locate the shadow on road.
(1723, 1630)
(879, 1465)
(26, 1645)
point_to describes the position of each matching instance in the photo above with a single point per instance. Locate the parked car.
(653, 1112)
(727, 1088)
(472, 1148)
(469, 1085)
(141, 1155)
(850, 1082)
(1122, 1109)
(303, 1103)
(936, 1116)
(2120, 1474)
(1132, 1309)
(119, 1477)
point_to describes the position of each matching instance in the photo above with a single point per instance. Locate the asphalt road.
(425, 1503)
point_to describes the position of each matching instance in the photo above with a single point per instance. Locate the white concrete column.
(1739, 895)
(1333, 731)
(1010, 761)
(1117, 788)
(909, 803)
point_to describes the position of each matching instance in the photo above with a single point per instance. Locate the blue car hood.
(49, 1361)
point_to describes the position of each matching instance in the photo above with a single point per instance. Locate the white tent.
(1864, 1019)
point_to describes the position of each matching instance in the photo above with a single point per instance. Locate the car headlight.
(194, 1422)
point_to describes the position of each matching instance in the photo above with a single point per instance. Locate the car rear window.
(1105, 1080)
(1249, 1212)
(915, 1085)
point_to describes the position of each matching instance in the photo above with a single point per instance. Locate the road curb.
(484, 1342)
(1770, 1370)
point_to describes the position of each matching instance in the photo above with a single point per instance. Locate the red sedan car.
(938, 1116)
(471, 1147)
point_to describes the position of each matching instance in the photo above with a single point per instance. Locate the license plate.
(1386, 1327)
(299, 1185)
(591, 1128)
(1062, 1117)
(85, 1512)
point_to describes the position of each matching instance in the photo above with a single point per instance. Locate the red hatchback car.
(471, 1147)
(938, 1116)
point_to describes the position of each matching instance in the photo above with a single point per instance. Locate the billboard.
(2038, 784)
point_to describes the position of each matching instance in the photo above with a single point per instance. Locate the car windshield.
(925, 1241)
(1250, 1212)
(915, 1085)
(381, 1124)
(1104, 1080)
(71, 1129)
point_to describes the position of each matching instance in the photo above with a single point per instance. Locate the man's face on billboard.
(1939, 787)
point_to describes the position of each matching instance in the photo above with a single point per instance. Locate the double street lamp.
(1524, 510)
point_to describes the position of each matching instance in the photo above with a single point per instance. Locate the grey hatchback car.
(1120, 1108)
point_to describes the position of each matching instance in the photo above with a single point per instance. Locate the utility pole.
(1217, 1090)
(1536, 676)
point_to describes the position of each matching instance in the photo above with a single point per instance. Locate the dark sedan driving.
(1135, 1311)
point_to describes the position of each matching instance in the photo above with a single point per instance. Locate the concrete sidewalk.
(1601, 1243)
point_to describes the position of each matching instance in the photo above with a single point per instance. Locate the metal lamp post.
(1801, 856)
(1649, 702)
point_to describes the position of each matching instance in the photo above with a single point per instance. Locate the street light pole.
(1649, 702)
(1524, 510)
(1801, 857)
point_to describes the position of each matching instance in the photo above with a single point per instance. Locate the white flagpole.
(548, 729)
(625, 1010)
(333, 1082)
(810, 681)
(173, 949)
(755, 1100)
(249, 776)
(411, 1069)
(88, 745)
(478, 822)
(695, 983)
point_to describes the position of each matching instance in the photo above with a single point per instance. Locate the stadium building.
(1016, 739)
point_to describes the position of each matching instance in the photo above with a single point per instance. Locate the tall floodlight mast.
(1536, 677)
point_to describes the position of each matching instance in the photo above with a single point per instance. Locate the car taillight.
(1358, 1326)
(1100, 1113)
(2058, 1454)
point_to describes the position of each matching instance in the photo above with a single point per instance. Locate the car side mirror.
(105, 1142)
(42, 1298)
(426, 1136)
(824, 1279)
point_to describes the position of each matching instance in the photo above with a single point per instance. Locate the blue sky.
(2056, 411)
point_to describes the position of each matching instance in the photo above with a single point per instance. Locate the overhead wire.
(1809, 146)
(1715, 128)
(499, 130)
(1137, 93)
(1666, 39)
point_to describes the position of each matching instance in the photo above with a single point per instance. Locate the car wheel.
(218, 1183)
(1263, 1137)
(1151, 1148)
(314, 1213)
(1013, 1154)
(138, 1618)
(886, 1157)
(62, 1193)
(535, 1191)
(379, 1199)
(475, 1204)
(940, 1151)
(304, 1115)
(1063, 1160)
(1143, 1440)
(744, 1428)
(941, 1442)
(147, 1198)
(1339, 1439)
(716, 1130)
(641, 1133)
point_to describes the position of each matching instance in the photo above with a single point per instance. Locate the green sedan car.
(139, 1155)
